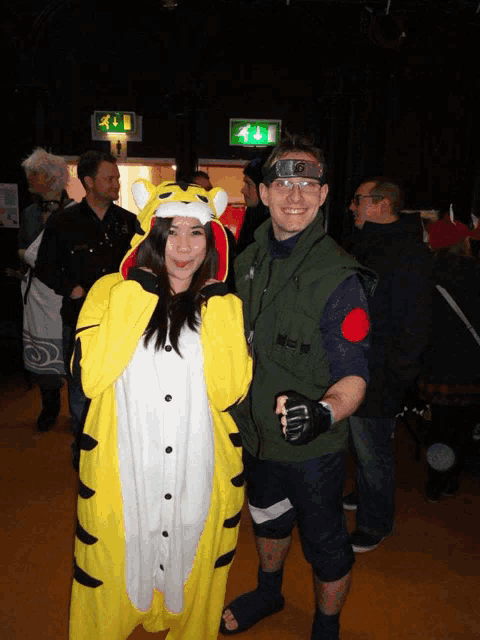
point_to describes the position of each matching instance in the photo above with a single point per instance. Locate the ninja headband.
(293, 169)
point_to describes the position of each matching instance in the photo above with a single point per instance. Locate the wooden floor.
(421, 584)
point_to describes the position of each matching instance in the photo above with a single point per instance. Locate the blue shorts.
(307, 493)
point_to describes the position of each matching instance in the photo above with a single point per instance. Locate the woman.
(162, 355)
(47, 177)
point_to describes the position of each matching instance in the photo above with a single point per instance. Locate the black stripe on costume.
(83, 535)
(222, 561)
(83, 578)
(232, 522)
(87, 443)
(238, 481)
(84, 491)
(85, 328)
(236, 439)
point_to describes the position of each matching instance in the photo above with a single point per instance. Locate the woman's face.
(185, 251)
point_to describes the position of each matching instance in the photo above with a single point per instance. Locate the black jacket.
(400, 310)
(78, 248)
(454, 355)
(254, 217)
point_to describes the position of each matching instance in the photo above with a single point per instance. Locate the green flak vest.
(283, 304)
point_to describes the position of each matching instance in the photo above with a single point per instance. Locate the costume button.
(168, 496)
(161, 567)
(168, 348)
(169, 449)
(168, 397)
(165, 534)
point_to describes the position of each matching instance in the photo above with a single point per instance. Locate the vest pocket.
(296, 343)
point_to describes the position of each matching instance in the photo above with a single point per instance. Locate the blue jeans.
(77, 400)
(373, 448)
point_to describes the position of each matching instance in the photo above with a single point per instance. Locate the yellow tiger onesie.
(159, 497)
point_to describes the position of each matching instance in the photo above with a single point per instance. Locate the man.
(80, 245)
(256, 212)
(306, 321)
(400, 312)
(47, 177)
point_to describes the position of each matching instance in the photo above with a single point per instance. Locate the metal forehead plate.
(294, 169)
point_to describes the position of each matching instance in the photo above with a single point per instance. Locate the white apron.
(42, 323)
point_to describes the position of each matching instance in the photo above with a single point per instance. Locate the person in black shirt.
(400, 309)
(79, 246)
(256, 212)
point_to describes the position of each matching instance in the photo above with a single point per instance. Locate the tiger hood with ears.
(172, 199)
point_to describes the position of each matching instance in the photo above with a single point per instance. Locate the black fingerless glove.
(147, 280)
(306, 419)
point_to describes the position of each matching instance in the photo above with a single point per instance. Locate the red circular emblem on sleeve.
(356, 325)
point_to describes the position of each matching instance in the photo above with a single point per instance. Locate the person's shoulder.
(56, 221)
(245, 257)
(125, 213)
(416, 249)
(32, 210)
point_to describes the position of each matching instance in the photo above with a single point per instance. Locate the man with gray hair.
(47, 176)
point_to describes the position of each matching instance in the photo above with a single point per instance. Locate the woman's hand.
(210, 281)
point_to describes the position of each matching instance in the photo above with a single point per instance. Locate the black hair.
(201, 174)
(177, 309)
(89, 163)
(253, 169)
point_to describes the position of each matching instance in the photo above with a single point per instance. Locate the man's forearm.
(345, 396)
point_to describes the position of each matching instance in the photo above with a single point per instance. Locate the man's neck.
(99, 207)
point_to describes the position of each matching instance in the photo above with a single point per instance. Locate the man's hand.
(77, 292)
(302, 419)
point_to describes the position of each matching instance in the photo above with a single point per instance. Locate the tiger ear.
(142, 191)
(219, 197)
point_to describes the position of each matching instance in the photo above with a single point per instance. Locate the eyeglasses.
(357, 197)
(309, 187)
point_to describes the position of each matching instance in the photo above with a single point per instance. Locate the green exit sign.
(115, 121)
(254, 133)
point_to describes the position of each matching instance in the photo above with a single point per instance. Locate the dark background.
(376, 101)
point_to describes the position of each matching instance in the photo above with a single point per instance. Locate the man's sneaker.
(362, 541)
(350, 502)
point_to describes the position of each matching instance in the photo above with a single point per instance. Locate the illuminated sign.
(115, 121)
(254, 133)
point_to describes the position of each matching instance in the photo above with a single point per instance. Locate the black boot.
(50, 408)
(325, 627)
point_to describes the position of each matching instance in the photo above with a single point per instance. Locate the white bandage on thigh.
(270, 513)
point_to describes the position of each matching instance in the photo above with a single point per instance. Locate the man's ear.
(323, 193)
(89, 182)
(263, 191)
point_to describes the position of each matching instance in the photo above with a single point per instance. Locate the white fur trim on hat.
(198, 210)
